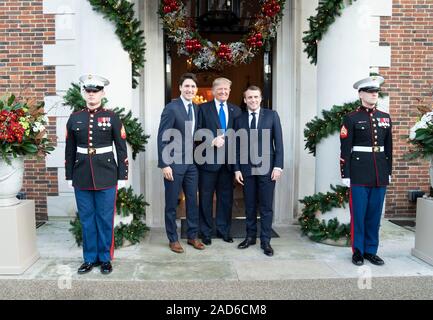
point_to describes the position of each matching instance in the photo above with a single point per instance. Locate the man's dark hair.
(253, 88)
(187, 75)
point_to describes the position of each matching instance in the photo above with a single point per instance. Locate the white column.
(343, 58)
(152, 98)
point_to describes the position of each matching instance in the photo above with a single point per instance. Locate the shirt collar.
(94, 110)
(218, 103)
(185, 102)
(257, 112)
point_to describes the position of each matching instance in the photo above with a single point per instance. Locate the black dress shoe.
(106, 267)
(225, 238)
(206, 241)
(85, 267)
(357, 258)
(246, 243)
(267, 249)
(374, 259)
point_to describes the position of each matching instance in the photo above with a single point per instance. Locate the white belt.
(94, 150)
(368, 149)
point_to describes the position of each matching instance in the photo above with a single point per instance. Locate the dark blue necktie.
(189, 111)
(222, 116)
(253, 121)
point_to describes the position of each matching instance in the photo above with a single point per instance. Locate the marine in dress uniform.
(92, 170)
(366, 164)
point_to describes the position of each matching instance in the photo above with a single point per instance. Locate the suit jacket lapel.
(230, 115)
(261, 118)
(195, 116)
(183, 110)
(215, 114)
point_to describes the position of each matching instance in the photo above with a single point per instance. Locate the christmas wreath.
(205, 54)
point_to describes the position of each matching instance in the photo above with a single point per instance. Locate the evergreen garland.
(320, 230)
(327, 12)
(318, 129)
(121, 13)
(134, 132)
(126, 204)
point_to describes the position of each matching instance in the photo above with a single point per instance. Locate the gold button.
(90, 144)
(375, 142)
(91, 115)
(375, 131)
(91, 120)
(375, 137)
(90, 138)
(90, 132)
(91, 126)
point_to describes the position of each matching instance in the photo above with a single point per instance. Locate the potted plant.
(22, 133)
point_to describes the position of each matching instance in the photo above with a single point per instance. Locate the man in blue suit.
(175, 158)
(264, 143)
(217, 175)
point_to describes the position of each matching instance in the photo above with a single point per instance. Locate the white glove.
(346, 182)
(121, 184)
(389, 177)
(69, 183)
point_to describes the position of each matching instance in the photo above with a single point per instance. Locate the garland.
(134, 132)
(318, 129)
(320, 203)
(207, 55)
(121, 13)
(327, 12)
(127, 203)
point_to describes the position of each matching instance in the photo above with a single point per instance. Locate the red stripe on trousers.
(112, 232)
(352, 236)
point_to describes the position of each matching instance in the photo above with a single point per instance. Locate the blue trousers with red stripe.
(366, 204)
(96, 209)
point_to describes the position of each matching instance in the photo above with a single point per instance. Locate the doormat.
(407, 224)
(237, 230)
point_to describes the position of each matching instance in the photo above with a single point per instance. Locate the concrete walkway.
(300, 269)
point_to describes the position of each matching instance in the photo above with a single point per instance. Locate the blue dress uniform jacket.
(366, 128)
(95, 129)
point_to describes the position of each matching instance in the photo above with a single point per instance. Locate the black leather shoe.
(374, 259)
(225, 238)
(85, 267)
(207, 241)
(106, 267)
(357, 258)
(246, 243)
(267, 249)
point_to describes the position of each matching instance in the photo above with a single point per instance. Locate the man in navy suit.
(217, 175)
(264, 143)
(175, 158)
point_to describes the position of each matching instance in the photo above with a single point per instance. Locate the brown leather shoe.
(175, 247)
(197, 244)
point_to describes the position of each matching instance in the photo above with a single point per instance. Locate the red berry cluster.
(224, 52)
(192, 45)
(255, 40)
(170, 6)
(10, 129)
(271, 8)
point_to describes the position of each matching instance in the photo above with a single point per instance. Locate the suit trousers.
(366, 204)
(187, 181)
(221, 182)
(259, 190)
(96, 210)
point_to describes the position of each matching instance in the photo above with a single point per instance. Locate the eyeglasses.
(89, 90)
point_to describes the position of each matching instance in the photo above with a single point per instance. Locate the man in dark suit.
(175, 158)
(217, 175)
(259, 164)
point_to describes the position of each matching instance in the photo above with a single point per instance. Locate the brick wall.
(24, 29)
(409, 32)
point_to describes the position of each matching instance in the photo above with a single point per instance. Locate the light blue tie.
(222, 116)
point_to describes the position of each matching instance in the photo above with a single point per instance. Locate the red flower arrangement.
(22, 129)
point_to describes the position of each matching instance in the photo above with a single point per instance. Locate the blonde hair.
(217, 81)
